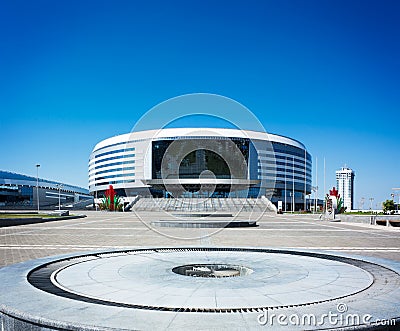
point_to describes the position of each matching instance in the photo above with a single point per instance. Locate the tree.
(388, 206)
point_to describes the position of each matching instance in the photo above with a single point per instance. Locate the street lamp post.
(59, 186)
(37, 187)
(292, 201)
(371, 200)
(396, 190)
(397, 206)
(314, 189)
(394, 202)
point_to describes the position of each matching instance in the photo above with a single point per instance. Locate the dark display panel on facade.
(218, 156)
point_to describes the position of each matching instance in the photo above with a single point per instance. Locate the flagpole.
(316, 185)
(324, 182)
(293, 186)
(285, 180)
(305, 180)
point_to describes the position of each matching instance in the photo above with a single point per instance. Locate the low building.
(19, 191)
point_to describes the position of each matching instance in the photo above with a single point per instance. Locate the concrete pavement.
(120, 230)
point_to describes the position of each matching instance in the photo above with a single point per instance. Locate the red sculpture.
(334, 192)
(110, 194)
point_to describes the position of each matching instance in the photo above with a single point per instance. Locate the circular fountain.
(192, 287)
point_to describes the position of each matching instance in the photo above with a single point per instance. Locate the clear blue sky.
(324, 72)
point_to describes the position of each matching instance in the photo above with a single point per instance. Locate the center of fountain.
(212, 270)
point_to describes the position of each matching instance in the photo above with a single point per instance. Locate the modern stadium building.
(202, 162)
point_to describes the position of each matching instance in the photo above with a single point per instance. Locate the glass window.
(115, 151)
(114, 158)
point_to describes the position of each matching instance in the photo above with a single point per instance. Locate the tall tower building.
(345, 186)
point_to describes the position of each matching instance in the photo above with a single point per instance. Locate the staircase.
(204, 205)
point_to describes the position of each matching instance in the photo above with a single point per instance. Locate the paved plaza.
(104, 230)
(134, 275)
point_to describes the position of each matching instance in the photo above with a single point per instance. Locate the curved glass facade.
(291, 169)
